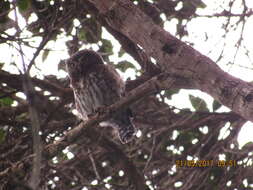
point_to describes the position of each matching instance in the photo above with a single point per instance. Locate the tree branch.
(151, 86)
(174, 56)
(33, 113)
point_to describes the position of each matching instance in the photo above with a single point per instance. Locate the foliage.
(168, 137)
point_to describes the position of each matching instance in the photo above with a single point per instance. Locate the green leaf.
(198, 103)
(23, 5)
(216, 105)
(4, 10)
(121, 52)
(169, 93)
(81, 34)
(106, 47)
(62, 156)
(248, 146)
(198, 4)
(45, 54)
(185, 111)
(91, 32)
(1, 65)
(7, 101)
(2, 136)
(124, 65)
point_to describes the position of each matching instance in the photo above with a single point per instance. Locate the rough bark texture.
(74, 153)
(174, 56)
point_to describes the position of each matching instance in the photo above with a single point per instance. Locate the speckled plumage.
(96, 85)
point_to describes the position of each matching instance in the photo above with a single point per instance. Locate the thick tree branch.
(13, 80)
(174, 56)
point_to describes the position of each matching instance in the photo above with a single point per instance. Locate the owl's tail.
(126, 133)
(126, 128)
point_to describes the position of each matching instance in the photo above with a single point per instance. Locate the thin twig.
(93, 164)
(47, 36)
(151, 154)
(41, 46)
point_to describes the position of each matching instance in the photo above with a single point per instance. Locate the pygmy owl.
(96, 85)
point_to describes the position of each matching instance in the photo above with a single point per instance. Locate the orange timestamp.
(206, 163)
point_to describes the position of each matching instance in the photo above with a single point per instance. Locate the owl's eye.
(72, 64)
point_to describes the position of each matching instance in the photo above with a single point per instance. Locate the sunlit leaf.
(6, 101)
(1, 65)
(23, 5)
(124, 65)
(91, 31)
(169, 93)
(121, 52)
(81, 34)
(248, 146)
(45, 54)
(106, 46)
(198, 103)
(216, 105)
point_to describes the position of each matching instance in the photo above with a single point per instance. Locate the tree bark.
(175, 57)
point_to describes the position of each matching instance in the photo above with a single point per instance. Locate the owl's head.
(81, 62)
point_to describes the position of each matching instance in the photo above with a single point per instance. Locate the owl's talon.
(101, 110)
(97, 111)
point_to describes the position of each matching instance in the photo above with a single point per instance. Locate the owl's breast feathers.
(96, 85)
(97, 88)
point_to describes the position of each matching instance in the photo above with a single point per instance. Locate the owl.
(96, 85)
